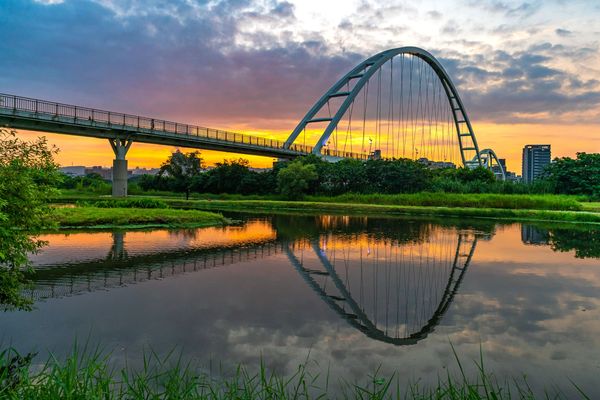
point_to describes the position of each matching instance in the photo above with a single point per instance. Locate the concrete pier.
(119, 181)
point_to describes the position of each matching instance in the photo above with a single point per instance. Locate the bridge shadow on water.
(393, 280)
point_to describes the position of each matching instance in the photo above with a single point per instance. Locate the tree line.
(311, 175)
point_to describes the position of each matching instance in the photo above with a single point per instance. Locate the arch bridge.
(400, 103)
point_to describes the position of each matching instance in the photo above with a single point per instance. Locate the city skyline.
(526, 73)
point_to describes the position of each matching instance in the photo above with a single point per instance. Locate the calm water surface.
(349, 293)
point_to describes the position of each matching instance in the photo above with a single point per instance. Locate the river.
(348, 295)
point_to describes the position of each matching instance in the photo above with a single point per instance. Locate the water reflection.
(343, 290)
(391, 291)
(531, 234)
(393, 285)
(584, 240)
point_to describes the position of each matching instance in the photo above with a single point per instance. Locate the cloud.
(235, 62)
(521, 87)
(520, 10)
(563, 32)
(49, 2)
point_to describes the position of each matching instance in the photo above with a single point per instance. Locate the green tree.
(181, 171)
(479, 175)
(345, 176)
(28, 177)
(294, 180)
(397, 176)
(576, 176)
(230, 176)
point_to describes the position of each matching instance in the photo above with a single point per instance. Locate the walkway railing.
(107, 119)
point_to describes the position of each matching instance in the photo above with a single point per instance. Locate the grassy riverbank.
(88, 375)
(270, 206)
(98, 218)
(473, 200)
(499, 206)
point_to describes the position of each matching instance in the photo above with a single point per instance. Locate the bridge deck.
(45, 116)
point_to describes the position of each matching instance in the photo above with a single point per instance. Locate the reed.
(86, 374)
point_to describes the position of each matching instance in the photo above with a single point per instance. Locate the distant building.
(502, 162)
(535, 159)
(73, 171)
(435, 164)
(137, 171)
(105, 173)
(260, 169)
(513, 177)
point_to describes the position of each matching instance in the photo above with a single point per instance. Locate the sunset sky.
(528, 71)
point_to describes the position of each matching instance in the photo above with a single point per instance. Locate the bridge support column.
(119, 172)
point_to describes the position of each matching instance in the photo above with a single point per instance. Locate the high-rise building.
(535, 158)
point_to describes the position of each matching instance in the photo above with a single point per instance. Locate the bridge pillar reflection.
(119, 172)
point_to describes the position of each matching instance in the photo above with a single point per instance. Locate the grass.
(96, 217)
(140, 202)
(558, 208)
(266, 206)
(424, 199)
(86, 374)
(591, 206)
(473, 200)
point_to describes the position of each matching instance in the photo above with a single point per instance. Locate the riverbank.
(89, 374)
(553, 208)
(272, 206)
(134, 218)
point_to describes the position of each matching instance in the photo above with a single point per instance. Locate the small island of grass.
(90, 217)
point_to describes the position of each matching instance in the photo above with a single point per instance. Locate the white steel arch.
(467, 142)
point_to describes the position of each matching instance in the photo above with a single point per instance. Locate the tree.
(227, 177)
(397, 176)
(345, 176)
(480, 175)
(181, 170)
(576, 176)
(294, 180)
(28, 177)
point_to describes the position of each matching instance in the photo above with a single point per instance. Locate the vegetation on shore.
(357, 208)
(107, 217)
(88, 374)
(28, 177)
(311, 175)
(515, 207)
(472, 200)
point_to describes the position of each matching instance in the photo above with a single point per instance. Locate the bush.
(126, 203)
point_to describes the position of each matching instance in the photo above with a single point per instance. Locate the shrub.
(126, 203)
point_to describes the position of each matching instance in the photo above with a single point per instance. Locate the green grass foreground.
(88, 375)
(97, 217)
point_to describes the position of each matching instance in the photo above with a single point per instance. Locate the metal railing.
(107, 119)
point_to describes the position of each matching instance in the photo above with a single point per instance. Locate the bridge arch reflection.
(414, 282)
